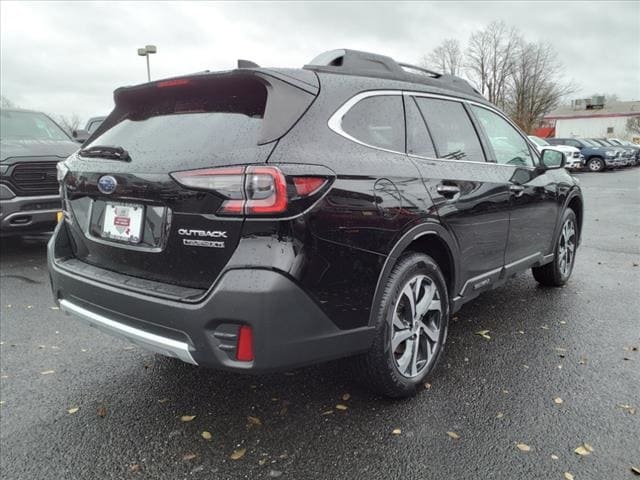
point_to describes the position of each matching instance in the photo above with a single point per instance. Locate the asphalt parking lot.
(561, 368)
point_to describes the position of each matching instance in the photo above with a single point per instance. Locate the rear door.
(534, 194)
(471, 195)
(158, 212)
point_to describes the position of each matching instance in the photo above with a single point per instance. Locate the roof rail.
(355, 62)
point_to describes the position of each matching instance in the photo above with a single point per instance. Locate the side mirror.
(80, 135)
(553, 159)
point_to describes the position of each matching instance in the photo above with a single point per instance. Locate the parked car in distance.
(262, 219)
(597, 158)
(81, 135)
(628, 153)
(575, 160)
(627, 143)
(31, 144)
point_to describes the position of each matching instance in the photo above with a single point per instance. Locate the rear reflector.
(244, 350)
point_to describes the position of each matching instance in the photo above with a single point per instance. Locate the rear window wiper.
(106, 151)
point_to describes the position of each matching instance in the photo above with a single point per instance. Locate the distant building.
(591, 118)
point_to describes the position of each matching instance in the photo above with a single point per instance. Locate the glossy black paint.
(339, 250)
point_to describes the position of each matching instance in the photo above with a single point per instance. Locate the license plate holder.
(123, 222)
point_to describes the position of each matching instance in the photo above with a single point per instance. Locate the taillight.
(253, 190)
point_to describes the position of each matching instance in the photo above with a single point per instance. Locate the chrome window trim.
(335, 122)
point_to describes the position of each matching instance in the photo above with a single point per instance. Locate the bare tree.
(490, 60)
(535, 87)
(6, 103)
(446, 57)
(633, 124)
(69, 124)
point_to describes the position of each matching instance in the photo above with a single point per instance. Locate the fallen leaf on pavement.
(523, 447)
(554, 457)
(238, 454)
(484, 334)
(584, 449)
(254, 421)
(134, 468)
(544, 327)
(453, 435)
(342, 407)
(557, 401)
(73, 410)
(568, 476)
(206, 435)
(427, 386)
(102, 412)
(187, 418)
(500, 415)
(163, 400)
(189, 456)
(396, 431)
(47, 372)
(327, 412)
(346, 397)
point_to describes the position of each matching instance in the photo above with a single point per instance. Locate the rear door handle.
(517, 190)
(448, 191)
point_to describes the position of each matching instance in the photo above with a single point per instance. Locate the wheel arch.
(429, 238)
(575, 203)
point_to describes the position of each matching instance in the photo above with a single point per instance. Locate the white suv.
(575, 160)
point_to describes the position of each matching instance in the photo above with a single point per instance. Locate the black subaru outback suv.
(259, 219)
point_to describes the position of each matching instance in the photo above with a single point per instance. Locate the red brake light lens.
(266, 190)
(252, 190)
(306, 186)
(173, 83)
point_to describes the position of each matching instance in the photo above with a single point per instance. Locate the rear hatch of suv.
(157, 190)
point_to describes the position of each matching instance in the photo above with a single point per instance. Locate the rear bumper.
(20, 215)
(289, 329)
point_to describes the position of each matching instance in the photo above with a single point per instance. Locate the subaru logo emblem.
(107, 184)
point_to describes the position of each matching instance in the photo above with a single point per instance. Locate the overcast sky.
(68, 57)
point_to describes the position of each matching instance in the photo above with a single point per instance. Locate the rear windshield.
(189, 122)
(29, 126)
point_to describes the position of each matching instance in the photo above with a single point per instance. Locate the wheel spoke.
(431, 331)
(435, 306)
(414, 356)
(422, 307)
(405, 359)
(397, 322)
(408, 292)
(399, 337)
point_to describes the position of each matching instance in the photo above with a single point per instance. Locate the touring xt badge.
(193, 242)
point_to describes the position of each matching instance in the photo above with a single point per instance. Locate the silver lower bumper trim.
(150, 341)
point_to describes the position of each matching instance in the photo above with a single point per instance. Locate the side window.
(418, 138)
(377, 121)
(451, 128)
(508, 145)
(572, 143)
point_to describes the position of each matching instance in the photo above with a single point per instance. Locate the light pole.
(145, 52)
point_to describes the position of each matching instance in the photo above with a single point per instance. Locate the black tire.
(379, 368)
(596, 164)
(555, 274)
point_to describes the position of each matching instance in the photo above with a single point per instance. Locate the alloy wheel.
(567, 248)
(417, 321)
(595, 165)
